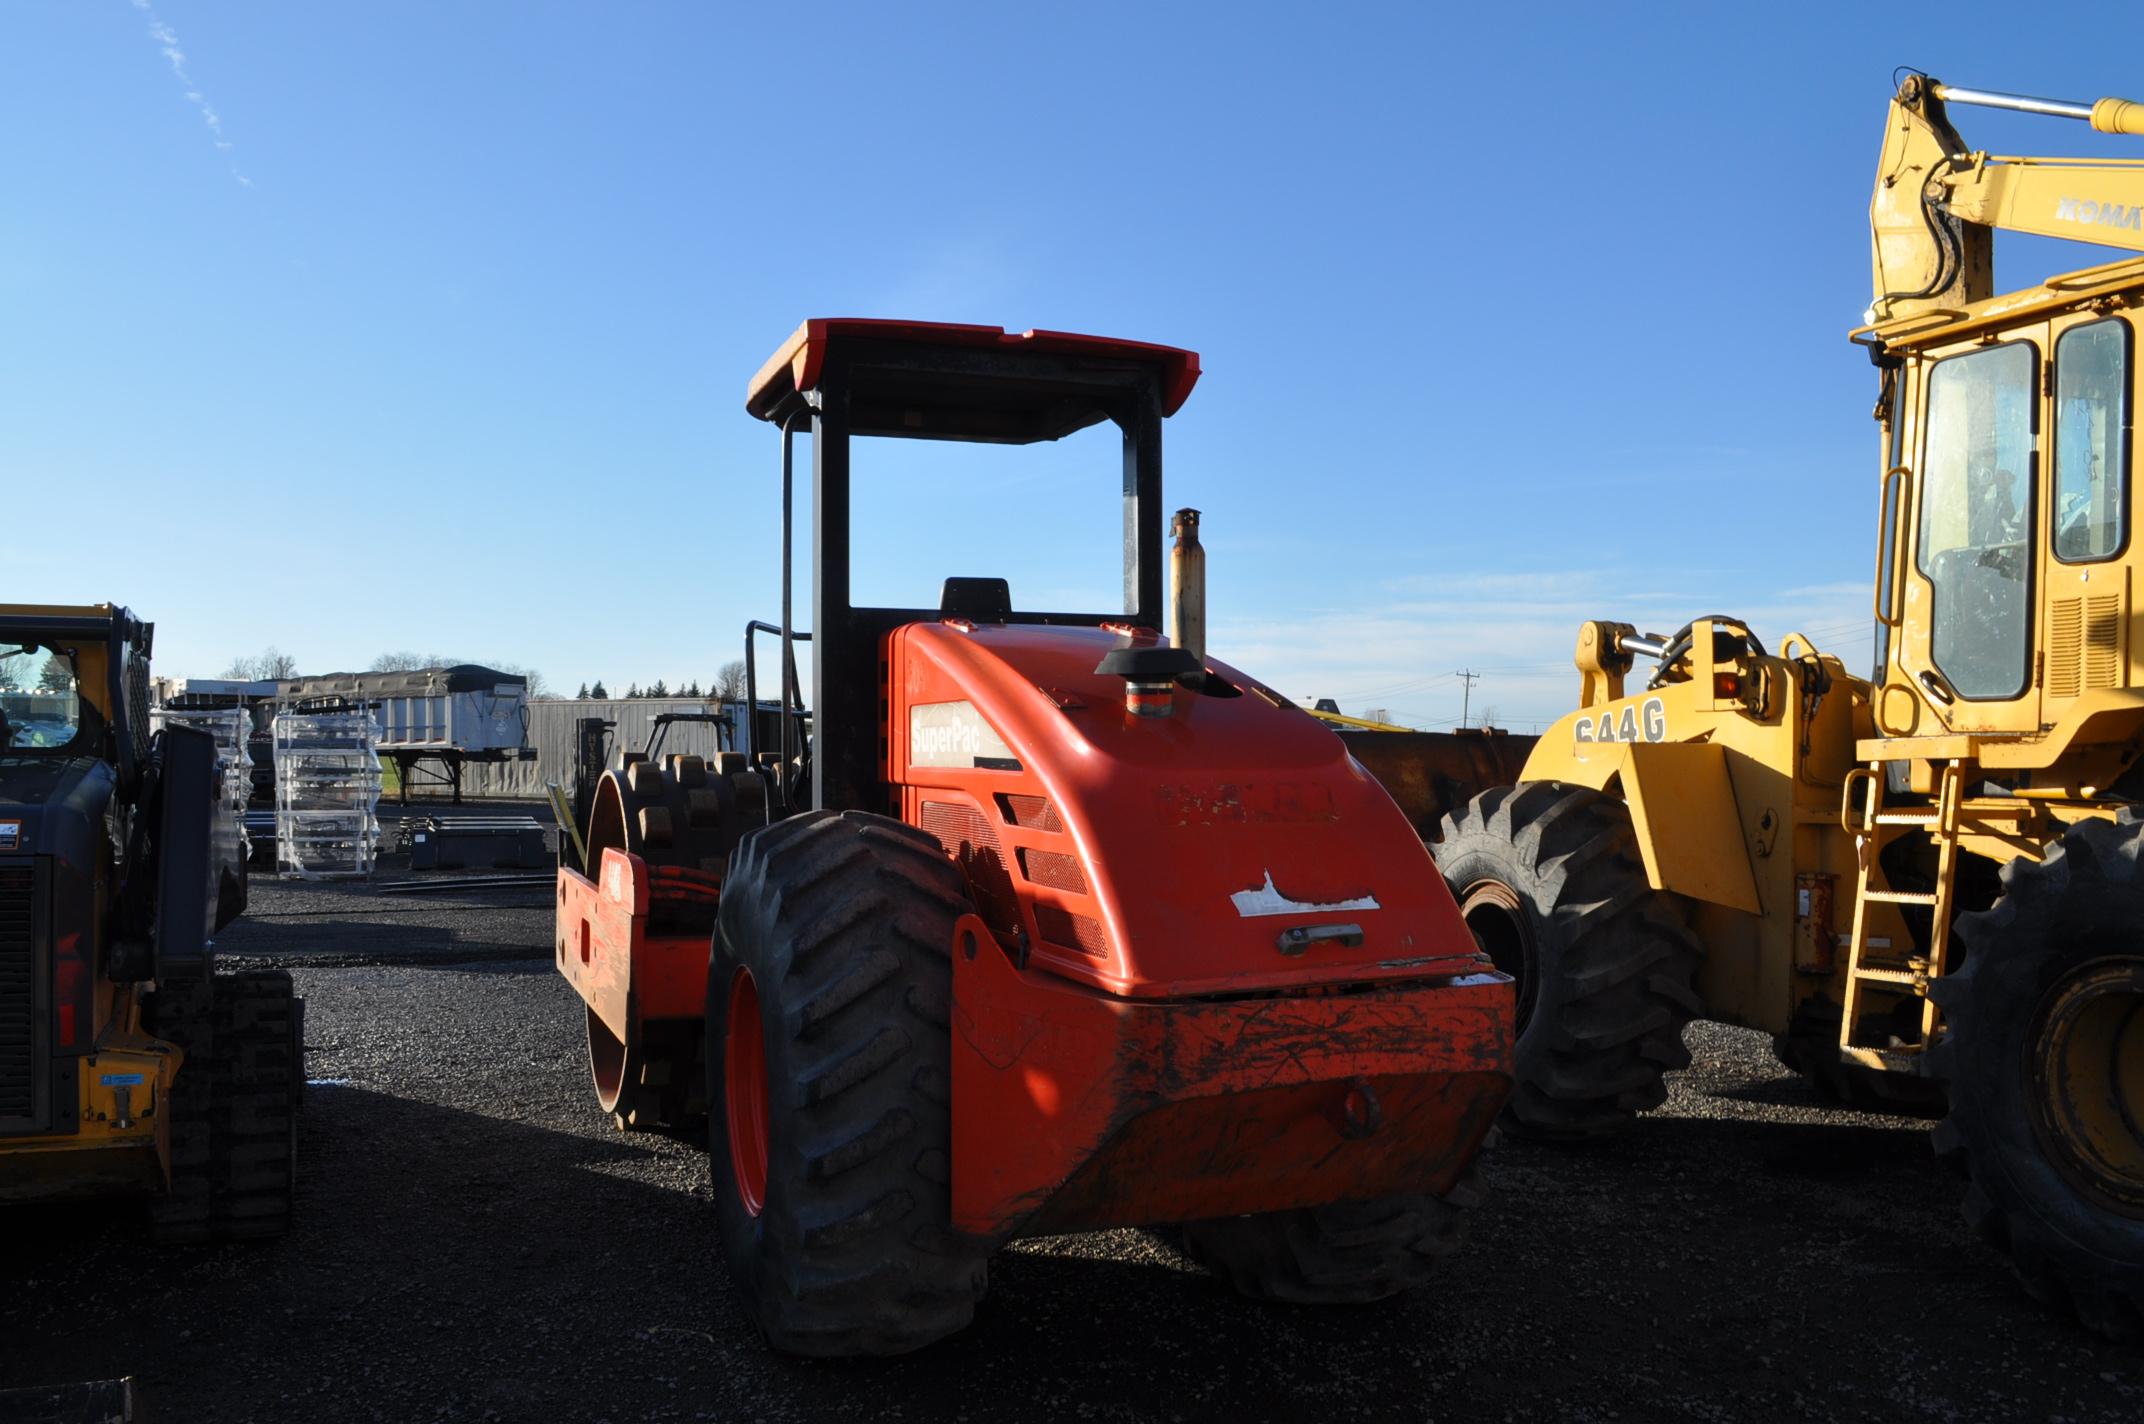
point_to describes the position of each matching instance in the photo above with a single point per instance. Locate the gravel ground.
(474, 1242)
(336, 922)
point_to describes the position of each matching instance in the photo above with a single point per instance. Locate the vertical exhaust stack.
(1187, 586)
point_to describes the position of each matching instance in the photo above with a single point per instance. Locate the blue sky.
(436, 337)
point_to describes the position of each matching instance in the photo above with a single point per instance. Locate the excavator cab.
(2004, 564)
(1923, 883)
(2003, 582)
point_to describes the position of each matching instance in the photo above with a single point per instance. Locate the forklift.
(130, 1065)
(1045, 922)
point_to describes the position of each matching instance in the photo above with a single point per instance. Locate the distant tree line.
(274, 665)
(728, 686)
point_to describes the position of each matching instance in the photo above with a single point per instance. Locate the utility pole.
(1469, 677)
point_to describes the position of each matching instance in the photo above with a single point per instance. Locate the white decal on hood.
(953, 734)
(1266, 900)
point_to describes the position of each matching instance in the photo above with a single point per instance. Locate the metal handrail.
(792, 704)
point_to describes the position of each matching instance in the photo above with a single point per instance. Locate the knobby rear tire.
(844, 921)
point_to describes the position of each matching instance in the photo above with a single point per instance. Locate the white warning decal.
(1267, 900)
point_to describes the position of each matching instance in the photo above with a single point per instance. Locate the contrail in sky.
(168, 41)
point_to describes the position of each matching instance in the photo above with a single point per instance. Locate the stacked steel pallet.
(231, 727)
(327, 790)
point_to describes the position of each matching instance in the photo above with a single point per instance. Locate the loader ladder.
(1881, 967)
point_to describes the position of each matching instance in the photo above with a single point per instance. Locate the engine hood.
(1231, 847)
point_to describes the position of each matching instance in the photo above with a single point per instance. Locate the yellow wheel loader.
(1926, 883)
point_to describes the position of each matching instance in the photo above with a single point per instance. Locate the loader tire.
(829, 1066)
(1346, 1253)
(233, 1107)
(1810, 1047)
(1549, 879)
(2043, 1055)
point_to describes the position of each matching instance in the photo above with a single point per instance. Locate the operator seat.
(1980, 618)
(979, 600)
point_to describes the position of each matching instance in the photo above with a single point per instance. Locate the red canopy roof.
(796, 366)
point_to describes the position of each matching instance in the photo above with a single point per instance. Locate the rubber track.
(255, 1062)
(233, 1107)
(182, 1014)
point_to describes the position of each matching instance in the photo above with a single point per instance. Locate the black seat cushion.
(985, 600)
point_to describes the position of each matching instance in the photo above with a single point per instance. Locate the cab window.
(1976, 516)
(40, 706)
(2091, 445)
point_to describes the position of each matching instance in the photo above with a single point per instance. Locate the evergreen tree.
(694, 690)
(632, 689)
(583, 693)
(598, 691)
(658, 690)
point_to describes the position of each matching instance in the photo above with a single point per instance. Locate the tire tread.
(1347, 1253)
(845, 920)
(1608, 1016)
(2071, 1254)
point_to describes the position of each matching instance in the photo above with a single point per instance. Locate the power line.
(1389, 689)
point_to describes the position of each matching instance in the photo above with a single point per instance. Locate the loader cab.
(2006, 566)
(74, 682)
(845, 380)
(68, 771)
(40, 697)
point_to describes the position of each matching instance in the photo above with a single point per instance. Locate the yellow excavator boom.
(2092, 202)
(1937, 203)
